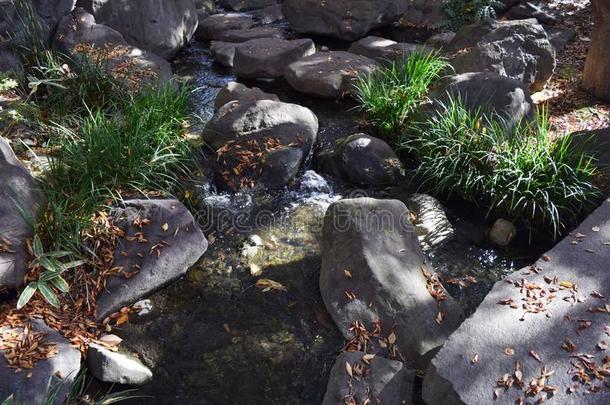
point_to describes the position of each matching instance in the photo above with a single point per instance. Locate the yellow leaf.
(567, 284)
(347, 273)
(165, 227)
(266, 284)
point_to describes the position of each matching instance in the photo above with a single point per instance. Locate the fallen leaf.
(266, 284)
(110, 340)
(347, 273)
(509, 351)
(165, 227)
(348, 368)
(392, 338)
(474, 359)
(535, 356)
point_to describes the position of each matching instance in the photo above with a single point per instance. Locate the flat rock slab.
(568, 293)
(383, 50)
(382, 381)
(373, 272)
(234, 91)
(161, 242)
(268, 57)
(213, 26)
(246, 34)
(56, 374)
(116, 368)
(223, 52)
(328, 74)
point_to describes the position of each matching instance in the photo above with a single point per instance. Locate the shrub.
(391, 94)
(464, 12)
(519, 172)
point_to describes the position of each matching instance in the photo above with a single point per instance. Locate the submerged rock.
(502, 232)
(20, 199)
(116, 368)
(234, 91)
(53, 375)
(384, 381)
(374, 272)
(268, 57)
(430, 221)
(162, 241)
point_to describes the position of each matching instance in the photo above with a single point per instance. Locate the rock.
(49, 12)
(426, 13)
(9, 60)
(386, 382)
(533, 9)
(223, 52)
(383, 50)
(268, 15)
(52, 11)
(440, 41)
(328, 74)
(343, 19)
(213, 26)
(116, 368)
(79, 35)
(278, 136)
(246, 34)
(430, 221)
(560, 37)
(20, 199)
(236, 91)
(374, 241)
(205, 8)
(489, 92)
(502, 232)
(594, 143)
(173, 244)
(55, 374)
(518, 49)
(158, 26)
(362, 160)
(268, 57)
(568, 317)
(245, 5)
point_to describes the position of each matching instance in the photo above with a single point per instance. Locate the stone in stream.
(551, 320)
(328, 74)
(492, 94)
(268, 57)
(223, 52)
(268, 15)
(362, 160)
(429, 220)
(246, 34)
(116, 368)
(205, 8)
(79, 35)
(236, 91)
(213, 26)
(50, 376)
(502, 232)
(343, 19)
(384, 381)
(245, 5)
(162, 241)
(158, 26)
(20, 199)
(383, 50)
(519, 49)
(261, 142)
(373, 272)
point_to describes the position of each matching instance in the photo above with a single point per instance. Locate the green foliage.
(51, 269)
(390, 95)
(519, 172)
(81, 387)
(464, 12)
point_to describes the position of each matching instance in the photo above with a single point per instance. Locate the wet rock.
(502, 232)
(328, 74)
(374, 241)
(55, 374)
(246, 34)
(268, 57)
(158, 26)
(20, 199)
(385, 382)
(205, 8)
(223, 52)
(162, 241)
(261, 142)
(116, 368)
(245, 5)
(79, 35)
(533, 9)
(493, 94)
(343, 19)
(382, 49)
(236, 91)
(213, 26)
(362, 160)
(429, 220)
(518, 49)
(268, 15)
(564, 327)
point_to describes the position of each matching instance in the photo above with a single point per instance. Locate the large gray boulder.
(260, 143)
(158, 26)
(489, 92)
(115, 367)
(245, 5)
(362, 160)
(343, 19)
(383, 50)
(236, 91)
(268, 57)
(20, 199)
(213, 26)
(49, 12)
(328, 74)
(377, 379)
(518, 49)
(540, 334)
(431, 225)
(54, 375)
(79, 35)
(374, 272)
(162, 241)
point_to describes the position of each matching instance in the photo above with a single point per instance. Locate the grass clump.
(390, 95)
(520, 172)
